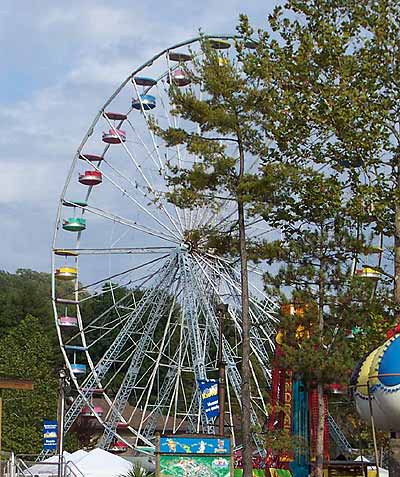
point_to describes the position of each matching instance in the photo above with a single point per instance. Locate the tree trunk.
(247, 451)
(319, 451)
(394, 459)
(397, 246)
(245, 395)
(319, 463)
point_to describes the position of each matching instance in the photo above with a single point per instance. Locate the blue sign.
(209, 396)
(195, 445)
(50, 432)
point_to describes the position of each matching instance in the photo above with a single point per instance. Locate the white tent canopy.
(100, 463)
(47, 467)
(76, 456)
(382, 472)
(96, 463)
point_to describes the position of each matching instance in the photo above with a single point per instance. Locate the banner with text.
(209, 396)
(50, 432)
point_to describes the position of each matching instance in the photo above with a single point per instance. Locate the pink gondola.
(114, 136)
(179, 78)
(68, 321)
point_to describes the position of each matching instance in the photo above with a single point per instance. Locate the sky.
(59, 62)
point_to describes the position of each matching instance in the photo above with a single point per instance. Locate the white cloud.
(91, 70)
(64, 60)
(89, 21)
(20, 182)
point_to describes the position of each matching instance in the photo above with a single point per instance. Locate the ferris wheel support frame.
(198, 298)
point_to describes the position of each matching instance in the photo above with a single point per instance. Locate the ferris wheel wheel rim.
(78, 155)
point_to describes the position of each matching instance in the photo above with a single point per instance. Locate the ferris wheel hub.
(185, 247)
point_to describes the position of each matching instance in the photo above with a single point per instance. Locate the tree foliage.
(27, 352)
(22, 293)
(328, 102)
(317, 102)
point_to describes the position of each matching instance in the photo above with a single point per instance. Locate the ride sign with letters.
(209, 396)
(50, 432)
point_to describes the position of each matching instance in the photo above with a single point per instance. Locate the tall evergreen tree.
(249, 104)
(314, 254)
(223, 121)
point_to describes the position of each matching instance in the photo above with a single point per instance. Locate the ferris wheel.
(135, 291)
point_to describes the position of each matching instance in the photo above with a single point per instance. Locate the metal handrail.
(22, 467)
(68, 465)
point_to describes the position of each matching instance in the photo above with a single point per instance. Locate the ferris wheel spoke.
(97, 323)
(189, 308)
(173, 123)
(272, 306)
(118, 304)
(95, 376)
(148, 183)
(257, 342)
(228, 355)
(121, 250)
(193, 414)
(146, 374)
(150, 383)
(194, 219)
(144, 209)
(189, 312)
(122, 142)
(94, 379)
(129, 223)
(91, 332)
(145, 115)
(166, 390)
(145, 146)
(161, 171)
(124, 272)
(184, 412)
(130, 378)
(264, 326)
(232, 276)
(258, 232)
(105, 331)
(210, 219)
(225, 219)
(149, 153)
(259, 395)
(182, 347)
(233, 372)
(121, 175)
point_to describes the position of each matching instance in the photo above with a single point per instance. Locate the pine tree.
(224, 136)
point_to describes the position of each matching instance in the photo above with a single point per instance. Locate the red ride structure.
(294, 409)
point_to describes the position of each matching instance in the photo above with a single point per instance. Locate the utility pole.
(221, 311)
(394, 459)
(63, 383)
